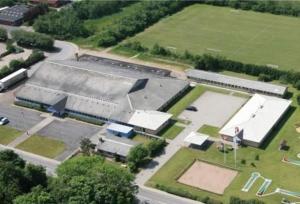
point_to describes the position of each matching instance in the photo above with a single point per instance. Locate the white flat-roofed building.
(149, 121)
(251, 86)
(196, 138)
(255, 120)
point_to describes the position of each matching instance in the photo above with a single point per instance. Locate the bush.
(33, 40)
(243, 161)
(155, 147)
(135, 46)
(257, 157)
(297, 85)
(33, 58)
(298, 99)
(236, 200)
(136, 156)
(264, 77)
(3, 35)
(183, 193)
(16, 64)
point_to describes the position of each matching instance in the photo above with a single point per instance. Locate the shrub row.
(15, 65)
(184, 193)
(149, 13)
(291, 8)
(33, 40)
(236, 200)
(219, 63)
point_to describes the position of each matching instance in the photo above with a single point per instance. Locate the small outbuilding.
(120, 130)
(196, 138)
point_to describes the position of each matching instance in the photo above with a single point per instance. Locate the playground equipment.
(288, 193)
(292, 161)
(263, 188)
(250, 182)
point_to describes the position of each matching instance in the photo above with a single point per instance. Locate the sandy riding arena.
(208, 177)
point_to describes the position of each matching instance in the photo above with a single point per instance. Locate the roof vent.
(253, 115)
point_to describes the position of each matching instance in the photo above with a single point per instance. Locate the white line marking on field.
(214, 50)
(135, 56)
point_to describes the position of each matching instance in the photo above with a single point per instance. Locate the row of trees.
(33, 40)
(14, 65)
(291, 8)
(149, 13)
(218, 63)
(79, 180)
(139, 154)
(68, 22)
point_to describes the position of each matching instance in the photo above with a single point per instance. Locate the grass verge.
(171, 131)
(8, 134)
(209, 130)
(43, 146)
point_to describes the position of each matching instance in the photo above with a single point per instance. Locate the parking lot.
(20, 118)
(213, 109)
(70, 132)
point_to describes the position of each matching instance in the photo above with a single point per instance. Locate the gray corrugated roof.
(251, 84)
(14, 13)
(100, 89)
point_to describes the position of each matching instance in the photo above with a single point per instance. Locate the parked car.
(3, 121)
(191, 108)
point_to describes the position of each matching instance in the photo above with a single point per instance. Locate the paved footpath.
(170, 150)
(31, 132)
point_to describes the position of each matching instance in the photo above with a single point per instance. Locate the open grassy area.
(43, 146)
(141, 138)
(269, 163)
(8, 134)
(245, 36)
(97, 26)
(209, 130)
(190, 97)
(171, 131)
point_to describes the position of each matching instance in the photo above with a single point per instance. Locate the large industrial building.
(18, 14)
(255, 120)
(236, 83)
(104, 90)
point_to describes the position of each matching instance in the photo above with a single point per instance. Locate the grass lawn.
(245, 36)
(190, 97)
(171, 131)
(269, 164)
(209, 130)
(43, 146)
(141, 138)
(8, 134)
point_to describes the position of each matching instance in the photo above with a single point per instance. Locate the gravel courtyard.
(214, 109)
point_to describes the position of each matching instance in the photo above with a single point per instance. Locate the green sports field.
(245, 36)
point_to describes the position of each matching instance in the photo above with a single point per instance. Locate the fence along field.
(245, 36)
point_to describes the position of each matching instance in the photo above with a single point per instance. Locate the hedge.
(33, 40)
(3, 35)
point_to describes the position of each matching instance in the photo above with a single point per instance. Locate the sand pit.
(208, 177)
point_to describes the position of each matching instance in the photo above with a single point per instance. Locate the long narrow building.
(236, 83)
